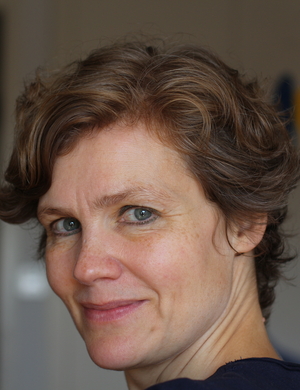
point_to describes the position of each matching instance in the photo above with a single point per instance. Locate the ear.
(245, 236)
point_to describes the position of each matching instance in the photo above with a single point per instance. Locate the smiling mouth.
(111, 311)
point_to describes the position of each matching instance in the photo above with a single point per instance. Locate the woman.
(160, 177)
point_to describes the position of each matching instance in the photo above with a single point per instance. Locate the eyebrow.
(148, 193)
(52, 211)
(140, 192)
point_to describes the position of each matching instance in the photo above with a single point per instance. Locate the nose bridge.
(96, 259)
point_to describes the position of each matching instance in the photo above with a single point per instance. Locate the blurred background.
(40, 348)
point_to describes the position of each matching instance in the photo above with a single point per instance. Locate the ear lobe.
(247, 235)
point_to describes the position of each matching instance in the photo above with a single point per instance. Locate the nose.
(95, 261)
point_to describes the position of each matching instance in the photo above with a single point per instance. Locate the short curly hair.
(232, 139)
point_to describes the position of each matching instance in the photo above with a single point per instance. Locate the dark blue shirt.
(247, 374)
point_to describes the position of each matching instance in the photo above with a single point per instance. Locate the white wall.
(40, 348)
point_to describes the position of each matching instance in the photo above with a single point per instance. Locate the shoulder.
(247, 374)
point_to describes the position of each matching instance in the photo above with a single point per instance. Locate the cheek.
(59, 271)
(191, 280)
(166, 263)
(190, 266)
(155, 255)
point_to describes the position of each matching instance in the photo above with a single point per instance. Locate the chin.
(117, 355)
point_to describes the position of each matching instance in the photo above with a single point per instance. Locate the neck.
(238, 334)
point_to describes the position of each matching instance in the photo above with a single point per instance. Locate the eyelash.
(154, 215)
(66, 233)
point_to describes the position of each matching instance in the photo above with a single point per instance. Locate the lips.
(110, 311)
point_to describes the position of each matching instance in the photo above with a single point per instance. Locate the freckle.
(60, 247)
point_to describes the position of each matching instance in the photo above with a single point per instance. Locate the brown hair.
(232, 139)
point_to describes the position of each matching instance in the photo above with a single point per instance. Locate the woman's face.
(134, 249)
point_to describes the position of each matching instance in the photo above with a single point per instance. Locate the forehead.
(116, 159)
(122, 144)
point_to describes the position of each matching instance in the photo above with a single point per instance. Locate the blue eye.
(138, 215)
(67, 226)
(70, 224)
(142, 214)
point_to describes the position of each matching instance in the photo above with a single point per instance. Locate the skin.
(160, 297)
